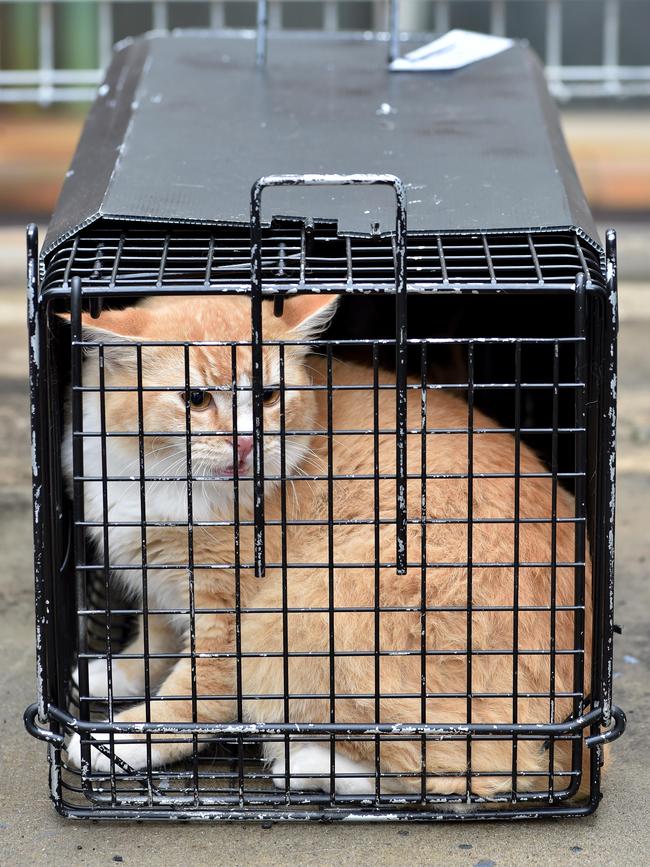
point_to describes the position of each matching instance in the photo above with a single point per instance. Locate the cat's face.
(192, 387)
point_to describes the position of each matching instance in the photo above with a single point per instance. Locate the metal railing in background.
(46, 57)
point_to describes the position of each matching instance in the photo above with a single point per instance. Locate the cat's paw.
(132, 754)
(309, 766)
(97, 678)
(124, 683)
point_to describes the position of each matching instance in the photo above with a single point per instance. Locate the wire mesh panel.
(326, 556)
(133, 259)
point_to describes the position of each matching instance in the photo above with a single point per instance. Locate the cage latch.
(401, 361)
(30, 718)
(613, 733)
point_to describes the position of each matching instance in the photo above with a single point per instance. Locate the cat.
(309, 586)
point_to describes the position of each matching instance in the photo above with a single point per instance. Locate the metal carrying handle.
(314, 180)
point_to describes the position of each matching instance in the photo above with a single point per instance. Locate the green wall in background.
(19, 36)
(75, 35)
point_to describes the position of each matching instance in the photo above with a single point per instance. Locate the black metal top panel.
(185, 124)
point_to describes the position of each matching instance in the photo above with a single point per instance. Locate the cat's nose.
(244, 447)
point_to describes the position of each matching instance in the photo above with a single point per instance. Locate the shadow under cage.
(323, 515)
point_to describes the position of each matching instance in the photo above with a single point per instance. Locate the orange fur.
(308, 587)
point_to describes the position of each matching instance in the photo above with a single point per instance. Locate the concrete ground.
(618, 834)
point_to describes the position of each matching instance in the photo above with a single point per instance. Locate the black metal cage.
(397, 605)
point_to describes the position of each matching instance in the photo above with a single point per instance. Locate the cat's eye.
(270, 396)
(199, 399)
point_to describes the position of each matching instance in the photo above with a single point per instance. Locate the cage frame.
(587, 282)
(604, 715)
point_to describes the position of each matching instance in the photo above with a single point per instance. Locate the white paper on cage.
(455, 49)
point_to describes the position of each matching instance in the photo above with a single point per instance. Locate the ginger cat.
(444, 630)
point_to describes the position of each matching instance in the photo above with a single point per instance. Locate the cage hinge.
(613, 733)
(30, 718)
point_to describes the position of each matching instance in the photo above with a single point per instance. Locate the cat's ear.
(309, 315)
(113, 328)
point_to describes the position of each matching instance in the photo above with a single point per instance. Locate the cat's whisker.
(307, 482)
(311, 454)
(295, 497)
(134, 463)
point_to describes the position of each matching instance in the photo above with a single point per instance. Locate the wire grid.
(52, 81)
(231, 774)
(114, 259)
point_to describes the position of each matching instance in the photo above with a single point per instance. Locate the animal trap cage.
(305, 560)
